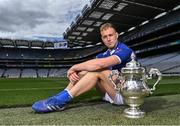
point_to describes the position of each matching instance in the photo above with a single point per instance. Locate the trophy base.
(133, 112)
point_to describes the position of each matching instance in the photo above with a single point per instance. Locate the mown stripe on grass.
(160, 110)
(26, 89)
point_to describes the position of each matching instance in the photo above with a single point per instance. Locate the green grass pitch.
(17, 96)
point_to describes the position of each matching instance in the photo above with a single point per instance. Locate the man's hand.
(73, 78)
(72, 75)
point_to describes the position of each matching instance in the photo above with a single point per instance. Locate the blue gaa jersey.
(123, 53)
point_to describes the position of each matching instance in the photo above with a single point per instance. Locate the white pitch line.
(26, 89)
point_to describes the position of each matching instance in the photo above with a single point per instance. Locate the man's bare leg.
(88, 81)
(69, 86)
(92, 79)
(81, 74)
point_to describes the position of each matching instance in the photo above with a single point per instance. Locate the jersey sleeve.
(123, 55)
(100, 55)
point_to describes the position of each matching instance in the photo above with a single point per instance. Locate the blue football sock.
(69, 92)
(64, 96)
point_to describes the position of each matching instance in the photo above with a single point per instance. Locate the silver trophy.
(131, 83)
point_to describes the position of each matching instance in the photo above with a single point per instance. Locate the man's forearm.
(96, 64)
(91, 65)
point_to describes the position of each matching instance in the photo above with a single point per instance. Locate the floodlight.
(81, 28)
(96, 14)
(107, 16)
(107, 4)
(76, 33)
(90, 29)
(88, 22)
(85, 34)
(97, 24)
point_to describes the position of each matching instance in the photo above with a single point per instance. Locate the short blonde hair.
(106, 26)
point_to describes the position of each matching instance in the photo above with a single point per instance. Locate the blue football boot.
(55, 103)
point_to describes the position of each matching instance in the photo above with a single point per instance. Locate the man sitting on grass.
(93, 73)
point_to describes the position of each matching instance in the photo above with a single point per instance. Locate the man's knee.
(93, 73)
(100, 73)
(82, 73)
(103, 73)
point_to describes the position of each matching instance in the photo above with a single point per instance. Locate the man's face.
(109, 37)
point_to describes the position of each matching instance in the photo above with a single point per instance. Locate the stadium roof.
(40, 43)
(18, 43)
(124, 14)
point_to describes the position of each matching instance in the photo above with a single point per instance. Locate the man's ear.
(117, 35)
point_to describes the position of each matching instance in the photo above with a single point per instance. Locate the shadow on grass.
(78, 104)
(158, 103)
(73, 103)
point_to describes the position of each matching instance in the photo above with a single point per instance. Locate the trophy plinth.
(133, 112)
(131, 83)
(134, 99)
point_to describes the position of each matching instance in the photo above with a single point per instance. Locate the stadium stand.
(53, 73)
(42, 72)
(26, 53)
(168, 21)
(29, 73)
(167, 64)
(12, 73)
(125, 15)
(151, 28)
(174, 71)
(58, 72)
(27, 62)
(157, 59)
(1, 72)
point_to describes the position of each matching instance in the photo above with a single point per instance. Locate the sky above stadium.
(32, 18)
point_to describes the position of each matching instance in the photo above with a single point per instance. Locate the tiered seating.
(152, 27)
(36, 54)
(12, 73)
(28, 72)
(168, 63)
(173, 70)
(156, 59)
(33, 73)
(1, 72)
(53, 72)
(42, 72)
(62, 72)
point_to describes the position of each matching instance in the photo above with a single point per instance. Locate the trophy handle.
(115, 73)
(154, 71)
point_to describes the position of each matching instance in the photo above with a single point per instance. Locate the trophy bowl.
(132, 85)
(134, 98)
